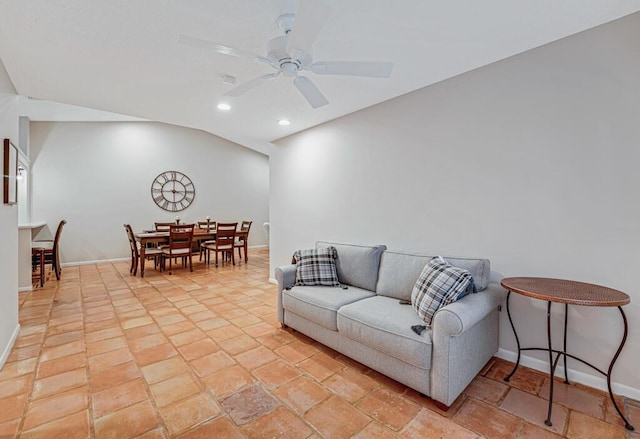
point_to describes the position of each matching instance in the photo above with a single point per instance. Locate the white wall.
(531, 162)
(8, 236)
(98, 176)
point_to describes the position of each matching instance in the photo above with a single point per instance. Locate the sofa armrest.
(464, 337)
(286, 278)
(461, 315)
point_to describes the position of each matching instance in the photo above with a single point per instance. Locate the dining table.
(153, 238)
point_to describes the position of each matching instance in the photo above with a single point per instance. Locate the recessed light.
(224, 107)
(284, 122)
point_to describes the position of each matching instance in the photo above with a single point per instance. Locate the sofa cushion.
(382, 323)
(320, 304)
(316, 267)
(357, 265)
(439, 284)
(399, 272)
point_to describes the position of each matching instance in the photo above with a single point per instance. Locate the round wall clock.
(173, 191)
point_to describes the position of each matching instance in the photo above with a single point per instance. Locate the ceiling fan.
(291, 54)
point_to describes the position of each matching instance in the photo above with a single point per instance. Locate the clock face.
(173, 191)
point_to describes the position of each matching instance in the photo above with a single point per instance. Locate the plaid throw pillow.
(439, 284)
(316, 266)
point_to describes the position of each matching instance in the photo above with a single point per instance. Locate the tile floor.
(103, 354)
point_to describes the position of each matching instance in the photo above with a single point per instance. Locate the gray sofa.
(367, 323)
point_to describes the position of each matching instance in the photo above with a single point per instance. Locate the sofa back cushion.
(357, 265)
(399, 272)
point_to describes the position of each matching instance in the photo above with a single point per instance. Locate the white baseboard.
(23, 289)
(273, 281)
(596, 382)
(99, 261)
(7, 349)
(102, 261)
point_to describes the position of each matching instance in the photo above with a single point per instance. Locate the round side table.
(569, 293)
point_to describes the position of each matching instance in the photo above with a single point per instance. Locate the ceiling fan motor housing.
(277, 52)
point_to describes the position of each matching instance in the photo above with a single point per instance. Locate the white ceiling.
(123, 56)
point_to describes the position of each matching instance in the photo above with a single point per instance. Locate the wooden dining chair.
(212, 228)
(225, 237)
(150, 253)
(47, 252)
(180, 245)
(242, 240)
(207, 225)
(162, 227)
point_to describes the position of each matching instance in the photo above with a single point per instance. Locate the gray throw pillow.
(439, 284)
(316, 267)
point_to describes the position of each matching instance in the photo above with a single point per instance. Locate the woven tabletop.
(565, 291)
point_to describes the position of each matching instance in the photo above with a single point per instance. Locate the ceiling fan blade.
(309, 19)
(310, 91)
(353, 68)
(289, 7)
(243, 88)
(221, 48)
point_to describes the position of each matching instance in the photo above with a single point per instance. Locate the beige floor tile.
(583, 426)
(59, 383)
(280, 423)
(336, 418)
(388, 408)
(74, 426)
(114, 376)
(238, 344)
(189, 412)
(276, 374)
(487, 390)
(228, 380)
(296, 352)
(256, 357)
(429, 424)
(12, 407)
(589, 403)
(487, 420)
(117, 397)
(217, 428)
(350, 384)
(174, 389)
(198, 349)
(54, 407)
(15, 386)
(534, 409)
(320, 366)
(160, 371)
(212, 363)
(302, 394)
(128, 422)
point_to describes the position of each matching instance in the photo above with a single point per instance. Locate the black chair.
(47, 252)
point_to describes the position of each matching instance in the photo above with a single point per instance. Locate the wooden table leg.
(143, 257)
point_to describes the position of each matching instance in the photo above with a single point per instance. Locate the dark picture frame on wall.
(10, 172)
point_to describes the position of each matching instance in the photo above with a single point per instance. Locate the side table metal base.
(554, 362)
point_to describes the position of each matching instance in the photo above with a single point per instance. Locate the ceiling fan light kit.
(291, 53)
